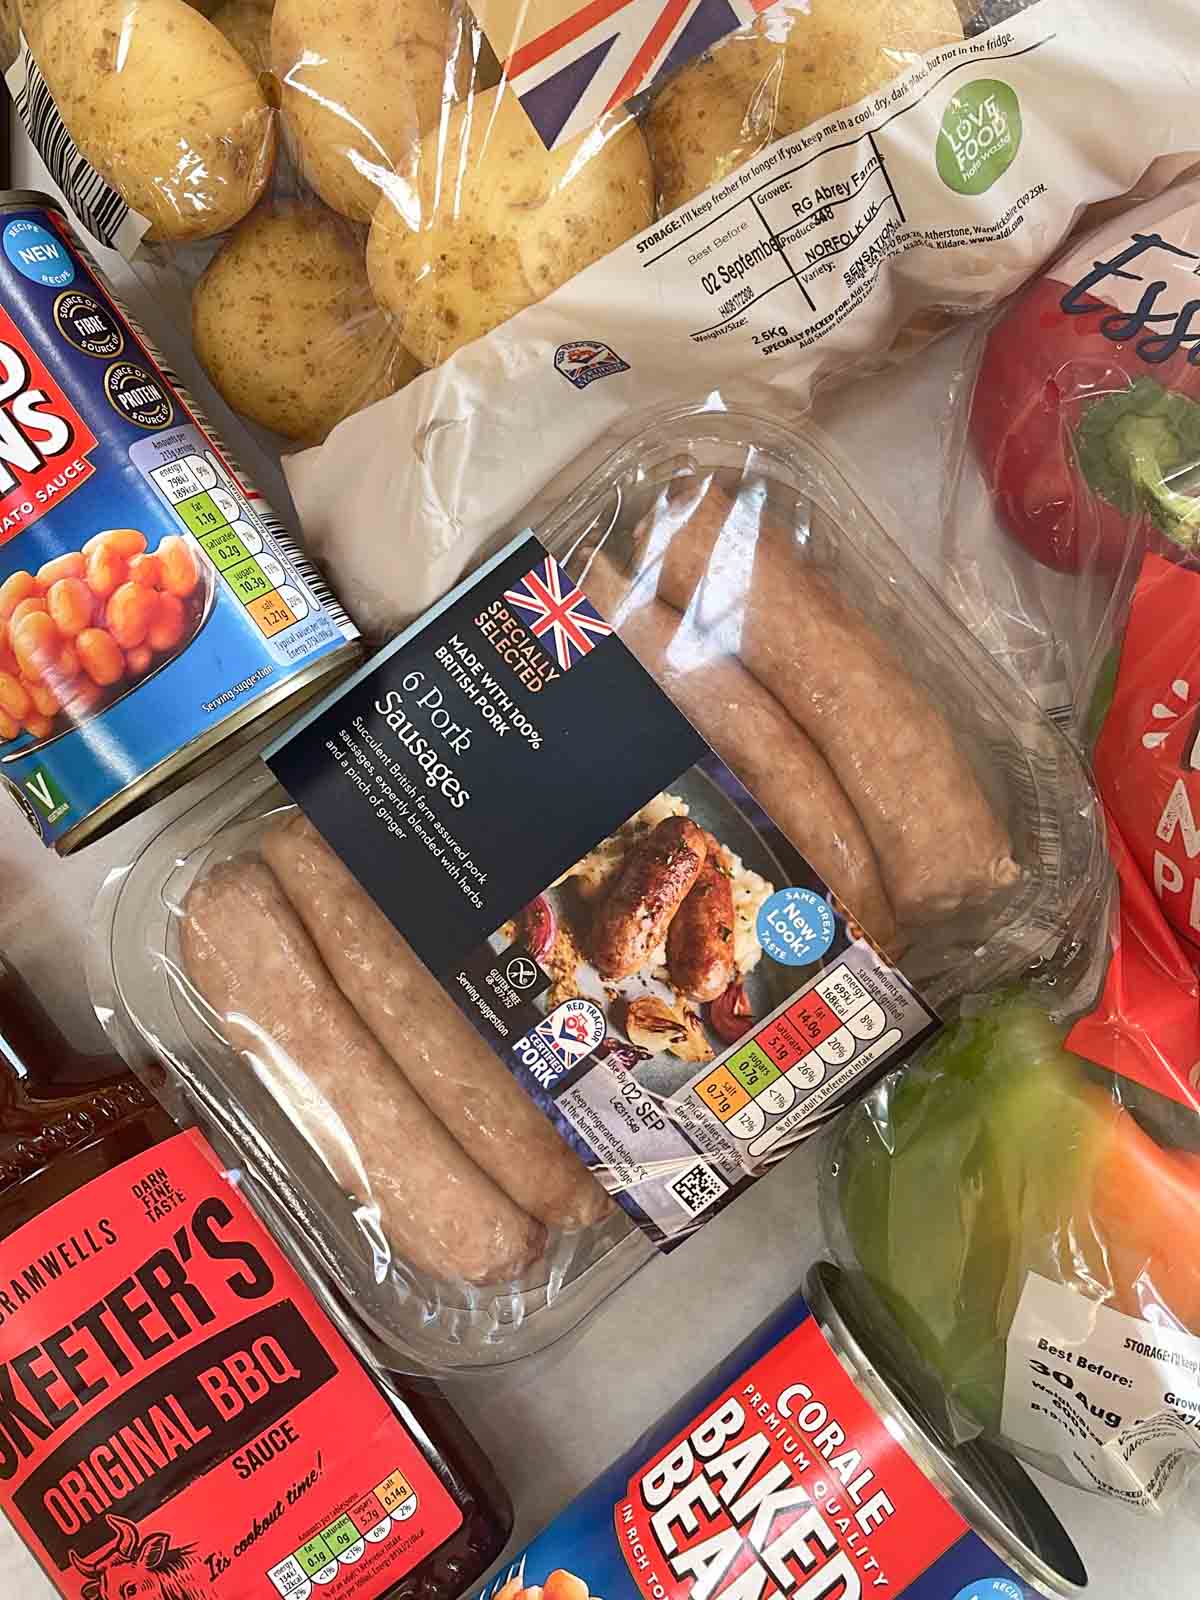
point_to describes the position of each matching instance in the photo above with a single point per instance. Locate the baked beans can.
(803, 1467)
(153, 609)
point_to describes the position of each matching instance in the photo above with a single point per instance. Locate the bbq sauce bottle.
(177, 1411)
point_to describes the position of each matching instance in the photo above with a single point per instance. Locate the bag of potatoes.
(415, 235)
(354, 191)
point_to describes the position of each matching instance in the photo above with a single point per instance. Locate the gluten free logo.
(979, 137)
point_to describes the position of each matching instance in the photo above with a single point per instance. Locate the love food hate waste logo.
(979, 137)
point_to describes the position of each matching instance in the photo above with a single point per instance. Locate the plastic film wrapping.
(745, 573)
(1025, 1231)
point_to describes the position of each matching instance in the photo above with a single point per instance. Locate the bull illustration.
(142, 1569)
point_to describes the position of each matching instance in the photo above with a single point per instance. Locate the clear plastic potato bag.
(409, 238)
(609, 883)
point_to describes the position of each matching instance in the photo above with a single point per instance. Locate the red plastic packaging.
(1074, 551)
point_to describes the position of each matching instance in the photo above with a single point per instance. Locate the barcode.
(193, 404)
(1057, 705)
(1035, 782)
(697, 1188)
(307, 571)
(96, 204)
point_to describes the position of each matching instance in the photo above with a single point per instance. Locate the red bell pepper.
(1086, 419)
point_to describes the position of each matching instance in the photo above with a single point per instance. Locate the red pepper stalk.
(1086, 444)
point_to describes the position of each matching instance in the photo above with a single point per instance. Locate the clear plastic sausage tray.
(788, 543)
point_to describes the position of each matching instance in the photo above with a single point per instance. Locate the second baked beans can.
(802, 1468)
(153, 610)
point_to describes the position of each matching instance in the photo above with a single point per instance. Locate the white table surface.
(551, 1425)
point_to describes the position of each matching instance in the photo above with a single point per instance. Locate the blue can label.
(148, 594)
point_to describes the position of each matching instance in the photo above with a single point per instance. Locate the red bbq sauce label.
(177, 1414)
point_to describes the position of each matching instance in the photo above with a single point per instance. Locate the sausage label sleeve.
(774, 1476)
(505, 780)
(173, 1400)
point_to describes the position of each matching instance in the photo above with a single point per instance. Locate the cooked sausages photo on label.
(700, 938)
(248, 955)
(653, 883)
(755, 738)
(446, 1063)
(740, 576)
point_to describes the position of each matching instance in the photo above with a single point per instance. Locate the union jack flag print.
(558, 613)
(597, 55)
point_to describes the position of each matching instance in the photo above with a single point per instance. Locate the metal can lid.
(30, 197)
(985, 1485)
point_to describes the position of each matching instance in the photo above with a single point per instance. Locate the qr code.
(697, 1188)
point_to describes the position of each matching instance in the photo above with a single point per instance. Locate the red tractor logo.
(133, 1568)
(585, 360)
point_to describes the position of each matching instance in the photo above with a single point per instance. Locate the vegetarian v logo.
(39, 788)
(46, 795)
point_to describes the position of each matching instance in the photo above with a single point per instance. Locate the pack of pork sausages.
(605, 885)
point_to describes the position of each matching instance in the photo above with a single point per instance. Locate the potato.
(361, 80)
(247, 26)
(162, 106)
(10, 32)
(517, 221)
(285, 325)
(800, 61)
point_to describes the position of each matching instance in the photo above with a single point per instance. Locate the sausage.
(756, 739)
(700, 937)
(444, 1060)
(657, 875)
(737, 574)
(251, 961)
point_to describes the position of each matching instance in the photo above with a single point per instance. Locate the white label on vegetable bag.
(96, 204)
(1115, 1399)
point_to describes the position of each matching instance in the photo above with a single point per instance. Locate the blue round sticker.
(991, 1589)
(37, 254)
(795, 927)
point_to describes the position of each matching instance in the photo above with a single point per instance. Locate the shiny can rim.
(984, 1484)
(252, 721)
(22, 199)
